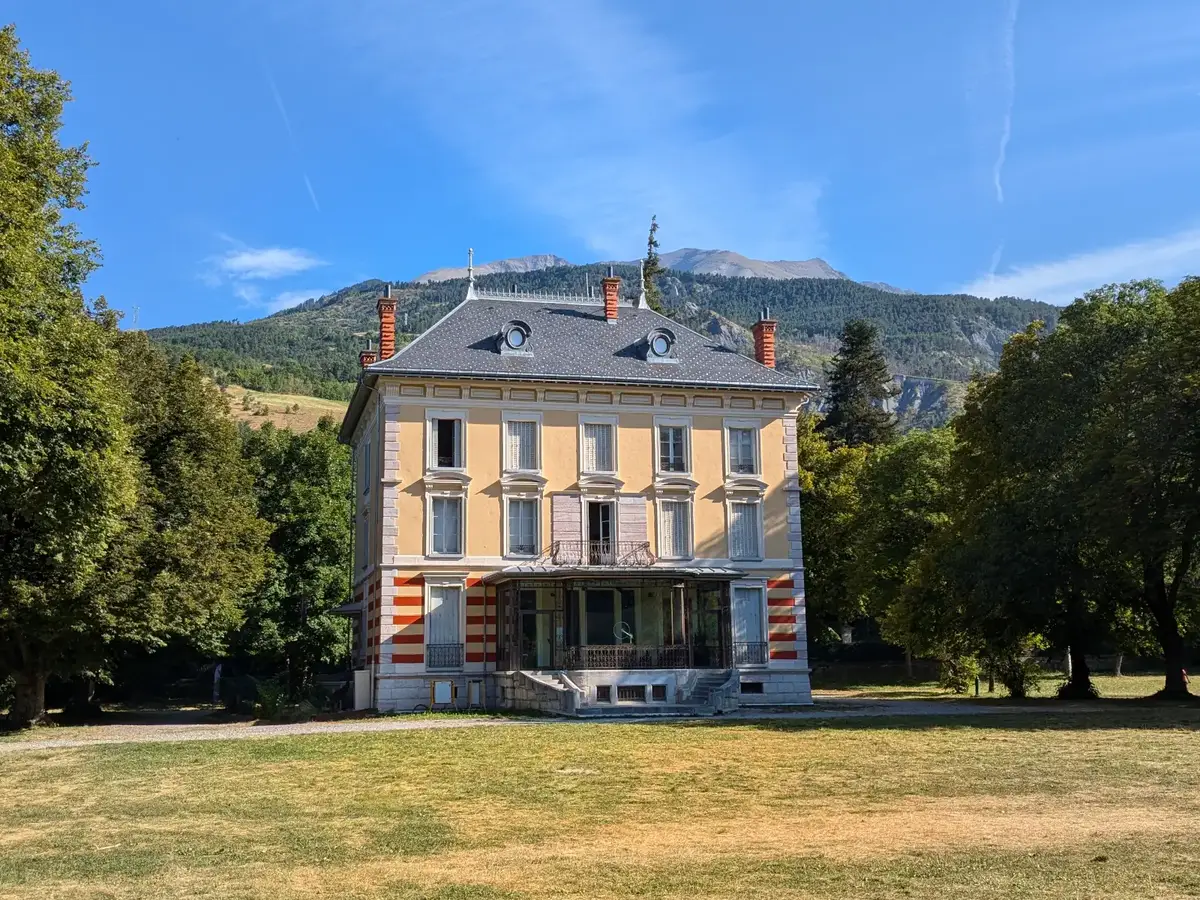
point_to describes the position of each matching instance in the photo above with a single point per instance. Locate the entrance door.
(601, 551)
(536, 632)
(600, 617)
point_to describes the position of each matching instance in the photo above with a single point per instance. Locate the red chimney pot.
(764, 339)
(387, 323)
(612, 294)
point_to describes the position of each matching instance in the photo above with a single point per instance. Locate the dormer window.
(660, 346)
(514, 337)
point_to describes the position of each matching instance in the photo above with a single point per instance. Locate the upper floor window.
(522, 527)
(745, 532)
(675, 529)
(743, 451)
(364, 475)
(672, 448)
(598, 447)
(447, 439)
(446, 527)
(520, 445)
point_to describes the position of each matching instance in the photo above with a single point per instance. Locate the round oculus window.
(515, 338)
(660, 345)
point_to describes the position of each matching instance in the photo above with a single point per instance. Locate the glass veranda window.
(447, 525)
(521, 446)
(597, 447)
(672, 450)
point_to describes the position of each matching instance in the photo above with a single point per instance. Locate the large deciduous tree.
(303, 483)
(859, 387)
(66, 476)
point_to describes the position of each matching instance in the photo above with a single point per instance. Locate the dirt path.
(170, 729)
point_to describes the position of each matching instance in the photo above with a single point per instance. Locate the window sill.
(735, 482)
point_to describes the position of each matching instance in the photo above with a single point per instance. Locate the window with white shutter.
(744, 538)
(443, 618)
(675, 529)
(447, 525)
(520, 445)
(743, 451)
(598, 447)
(522, 527)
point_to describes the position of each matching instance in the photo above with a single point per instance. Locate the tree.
(303, 483)
(652, 268)
(829, 500)
(859, 385)
(66, 477)
(904, 501)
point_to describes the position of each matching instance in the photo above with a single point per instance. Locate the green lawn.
(893, 686)
(998, 806)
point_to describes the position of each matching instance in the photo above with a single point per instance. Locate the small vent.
(634, 693)
(658, 693)
(752, 687)
(604, 693)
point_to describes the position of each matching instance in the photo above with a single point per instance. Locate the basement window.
(633, 693)
(752, 687)
(604, 693)
(658, 693)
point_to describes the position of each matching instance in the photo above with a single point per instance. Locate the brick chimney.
(764, 338)
(612, 294)
(387, 323)
(367, 357)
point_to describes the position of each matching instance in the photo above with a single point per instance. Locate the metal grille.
(443, 656)
(599, 553)
(625, 656)
(634, 692)
(749, 654)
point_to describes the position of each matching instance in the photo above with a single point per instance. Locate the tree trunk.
(908, 668)
(991, 680)
(1117, 665)
(29, 699)
(1079, 676)
(1166, 627)
(1067, 661)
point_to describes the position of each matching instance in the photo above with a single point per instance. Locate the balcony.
(598, 553)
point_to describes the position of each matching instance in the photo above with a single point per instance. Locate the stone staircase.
(710, 693)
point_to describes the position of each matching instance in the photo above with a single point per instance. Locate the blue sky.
(253, 154)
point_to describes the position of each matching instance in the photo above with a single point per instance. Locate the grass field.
(998, 806)
(875, 684)
(281, 409)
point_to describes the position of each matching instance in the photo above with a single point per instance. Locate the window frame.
(507, 528)
(433, 582)
(684, 422)
(536, 419)
(756, 502)
(690, 549)
(755, 427)
(613, 423)
(431, 456)
(461, 498)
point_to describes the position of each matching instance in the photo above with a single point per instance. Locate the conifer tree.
(652, 268)
(859, 384)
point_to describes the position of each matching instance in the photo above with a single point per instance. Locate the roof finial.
(470, 273)
(641, 299)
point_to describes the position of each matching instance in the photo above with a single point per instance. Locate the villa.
(577, 505)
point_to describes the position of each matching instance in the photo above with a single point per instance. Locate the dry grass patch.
(995, 806)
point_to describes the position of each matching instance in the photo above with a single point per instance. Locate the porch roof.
(563, 573)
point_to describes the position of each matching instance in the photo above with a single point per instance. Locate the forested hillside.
(313, 348)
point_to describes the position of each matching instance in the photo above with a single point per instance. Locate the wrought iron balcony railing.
(749, 654)
(598, 553)
(443, 656)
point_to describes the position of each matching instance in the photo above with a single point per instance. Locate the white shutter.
(442, 620)
(743, 530)
(597, 447)
(521, 446)
(676, 529)
(747, 615)
(631, 519)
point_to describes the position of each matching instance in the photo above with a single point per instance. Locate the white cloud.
(1061, 281)
(1010, 89)
(287, 299)
(578, 113)
(265, 263)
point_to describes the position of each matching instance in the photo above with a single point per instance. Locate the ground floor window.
(443, 627)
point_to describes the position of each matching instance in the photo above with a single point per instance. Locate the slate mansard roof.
(570, 341)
